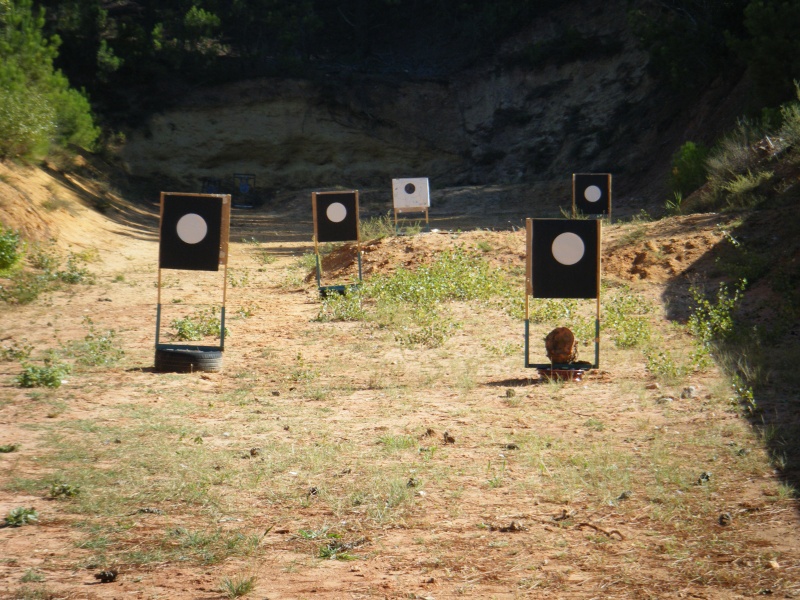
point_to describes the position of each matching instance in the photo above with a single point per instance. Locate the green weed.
(48, 375)
(200, 324)
(17, 517)
(10, 248)
(96, 348)
(238, 586)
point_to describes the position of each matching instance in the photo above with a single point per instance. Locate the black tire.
(188, 359)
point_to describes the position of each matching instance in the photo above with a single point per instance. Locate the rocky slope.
(570, 94)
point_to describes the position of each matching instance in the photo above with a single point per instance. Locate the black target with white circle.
(565, 258)
(336, 216)
(191, 232)
(592, 193)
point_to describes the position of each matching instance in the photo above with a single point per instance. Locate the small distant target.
(564, 258)
(194, 231)
(244, 182)
(591, 193)
(335, 216)
(411, 194)
(211, 185)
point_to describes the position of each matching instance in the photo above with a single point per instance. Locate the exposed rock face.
(528, 116)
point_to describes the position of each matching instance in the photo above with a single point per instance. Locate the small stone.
(689, 392)
(705, 477)
(653, 386)
(773, 564)
(665, 400)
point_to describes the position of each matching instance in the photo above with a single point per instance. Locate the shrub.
(713, 321)
(48, 375)
(27, 123)
(10, 246)
(17, 517)
(195, 327)
(688, 168)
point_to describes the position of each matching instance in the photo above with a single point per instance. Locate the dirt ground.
(500, 491)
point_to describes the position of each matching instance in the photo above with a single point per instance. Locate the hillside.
(526, 115)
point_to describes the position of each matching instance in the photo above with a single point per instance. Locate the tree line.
(56, 54)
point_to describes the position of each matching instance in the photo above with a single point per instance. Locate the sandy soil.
(460, 536)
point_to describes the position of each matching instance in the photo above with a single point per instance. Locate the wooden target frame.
(401, 209)
(224, 238)
(602, 180)
(531, 292)
(316, 198)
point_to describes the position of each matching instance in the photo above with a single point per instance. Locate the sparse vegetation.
(17, 517)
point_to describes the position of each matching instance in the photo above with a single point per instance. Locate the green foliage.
(677, 34)
(17, 517)
(97, 348)
(64, 490)
(455, 275)
(745, 190)
(10, 243)
(688, 168)
(27, 123)
(37, 105)
(48, 375)
(712, 321)
(626, 316)
(771, 47)
(376, 228)
(342, 307)
(665, 367)
(200, 324)
(238, 586)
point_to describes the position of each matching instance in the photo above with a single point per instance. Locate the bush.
(27, 123)
(688, 168)
(9, 243)
(48, 375)
(37, 106)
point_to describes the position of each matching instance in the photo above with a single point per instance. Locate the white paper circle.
(592, 193)
(336, 212)
(192, 228)
(568, 248)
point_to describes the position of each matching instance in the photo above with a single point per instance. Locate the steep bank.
(565, 96)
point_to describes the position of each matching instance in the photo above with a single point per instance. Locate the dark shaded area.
(762, 354)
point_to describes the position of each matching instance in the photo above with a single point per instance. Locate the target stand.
(591, 195)
(410, 196)
(244, 184)
(211, 185)
(193, 235)
(563, 261)
(336, 220)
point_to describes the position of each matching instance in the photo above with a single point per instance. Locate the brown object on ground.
(560, 345)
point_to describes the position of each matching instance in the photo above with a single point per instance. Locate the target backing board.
(194, 231)
(563, 258)
(591, 193)
(335, 216)
(411, 195)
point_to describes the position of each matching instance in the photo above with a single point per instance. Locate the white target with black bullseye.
(564, 258)
(335, 216)
(591, 193)
(194, 231)
(411, 194)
